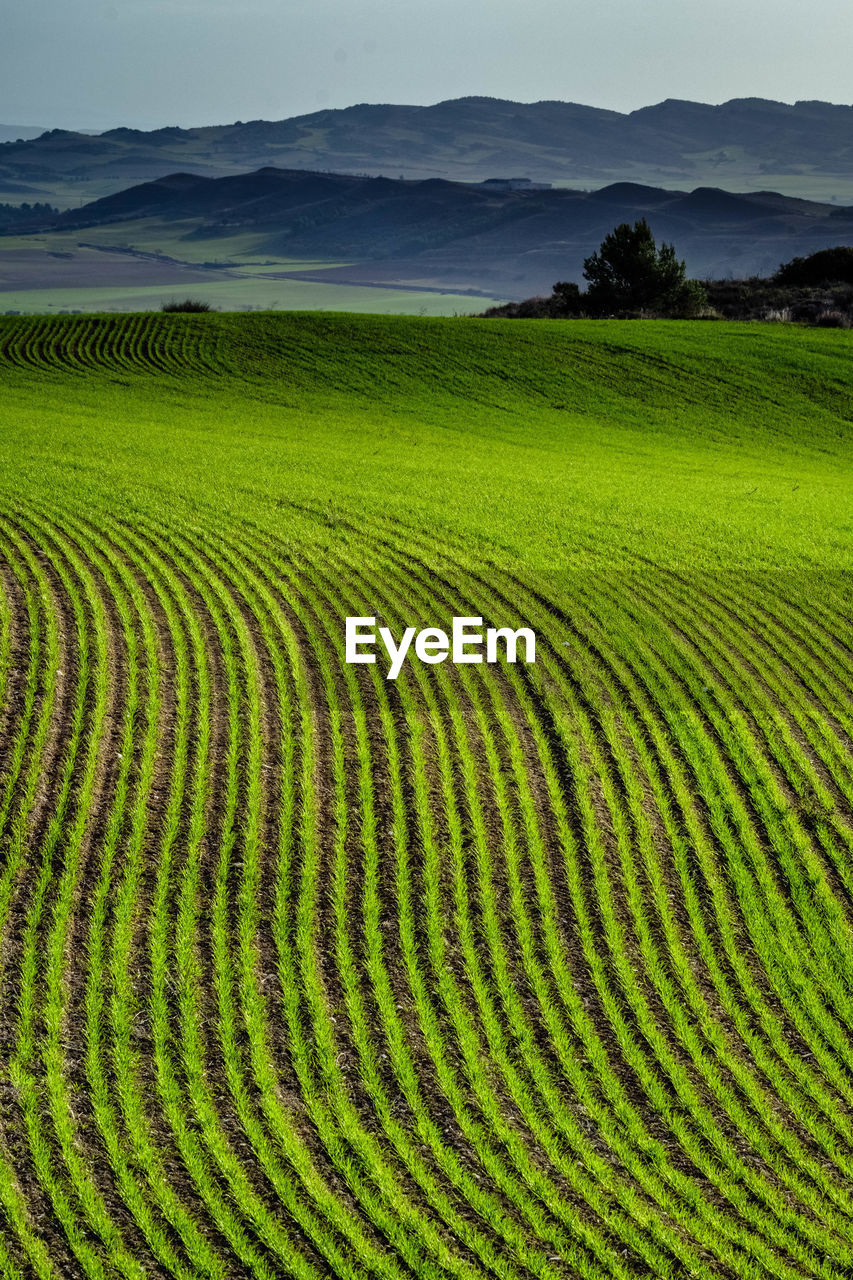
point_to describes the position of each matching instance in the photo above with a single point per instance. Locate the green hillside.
(612, 442)
(504, 970)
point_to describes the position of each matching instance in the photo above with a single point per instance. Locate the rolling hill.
(430, 233)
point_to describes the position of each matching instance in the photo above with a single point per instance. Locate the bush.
(833, 319)
(689, 299)
(827, 266)
(528, 309)
(188, 304)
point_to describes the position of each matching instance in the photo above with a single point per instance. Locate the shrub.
(781, 315)
(528, 309)
(827, 266)
(188, 304)
(833, 319)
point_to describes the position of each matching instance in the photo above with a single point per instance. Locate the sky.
(96, 64)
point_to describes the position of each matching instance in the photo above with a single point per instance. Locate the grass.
(570, 445)
(511, 971)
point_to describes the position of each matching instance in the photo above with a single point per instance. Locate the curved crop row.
(147, 342)
(495, 970)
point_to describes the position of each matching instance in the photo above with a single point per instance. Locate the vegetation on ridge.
(630, 277)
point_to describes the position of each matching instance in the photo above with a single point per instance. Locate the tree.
(630, 273)
(827, 266)
(566, 299)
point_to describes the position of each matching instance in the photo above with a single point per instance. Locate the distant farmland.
(513, 970)
(36, 281)
(295, 240)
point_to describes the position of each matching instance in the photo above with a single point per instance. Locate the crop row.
(500, 970)
(147, 342)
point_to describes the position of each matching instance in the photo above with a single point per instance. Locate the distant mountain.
(748, 143)
(509, 242)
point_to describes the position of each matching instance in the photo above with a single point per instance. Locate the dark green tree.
(827, 266)
(566, 299)
(630, 273)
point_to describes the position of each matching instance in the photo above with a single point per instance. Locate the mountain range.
(804, 149)
(505, 242)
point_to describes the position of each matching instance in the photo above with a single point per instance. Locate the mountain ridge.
(804, 148)
(508, 242)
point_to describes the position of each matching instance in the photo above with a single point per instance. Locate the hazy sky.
(97, 63)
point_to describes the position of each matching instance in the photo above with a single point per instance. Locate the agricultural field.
(533, 970)
(118, 269)
(245, 294)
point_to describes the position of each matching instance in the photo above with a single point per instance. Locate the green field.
(137, 268)
(488, 970)
(247, 294)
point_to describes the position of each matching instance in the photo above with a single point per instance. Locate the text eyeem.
(466, 643)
